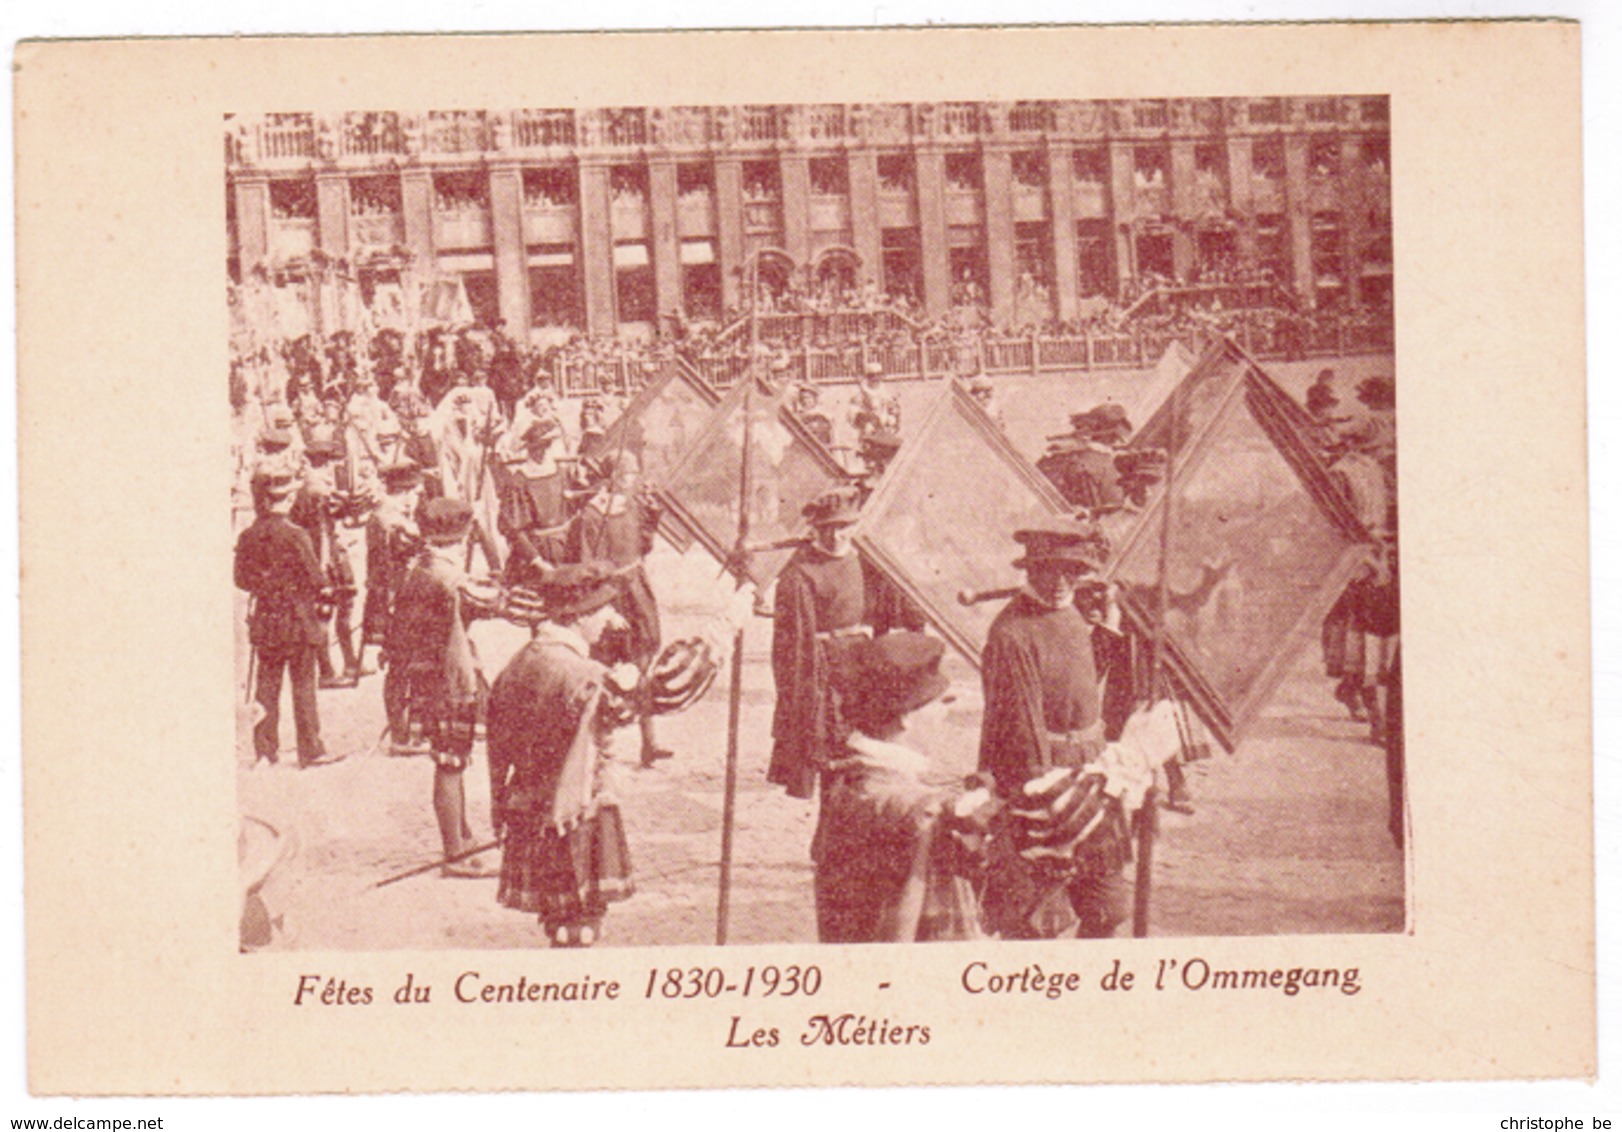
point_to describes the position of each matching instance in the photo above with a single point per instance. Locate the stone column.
(997, 174)
(253, 219)
(417, 215)
(597, 249)
(1062, 225)
(511, 253)
(937, 270)
(332, 214)
(729, 228)
(1241, 200)
(665, 243)
(1123, 211)
(1183, 207)
(1298, 217)
(794, 177)
(866, 234)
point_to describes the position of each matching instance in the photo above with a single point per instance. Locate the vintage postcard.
(883, 557)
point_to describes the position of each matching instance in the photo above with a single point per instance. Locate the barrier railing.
(937, 358)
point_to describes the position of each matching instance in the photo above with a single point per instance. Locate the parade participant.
(616, 526)
(465, 427)
(276, 564)
(433, 658)
(392, 541)
(878, 823)
(1084, 465)
(875, 409)
(564, 855)
(593, 427)
(368, 421)
(412, 410)
(281, 421)
(534, 514)
(808, 410)
(876, 449)
(316, 510)
(1042, 711)
(985, 395)
(818, 615)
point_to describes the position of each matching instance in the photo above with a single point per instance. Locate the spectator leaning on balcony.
(876, 409)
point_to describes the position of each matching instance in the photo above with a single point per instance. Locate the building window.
(550, 186)
(700, 280)
(1030, 168)
(1328, 264)
(554, 288)
(482, 297)
(293, 200)
(1324, 111)
(374, 196)
(1267, 159)
(963, 172)
(828, 176)
(895, 173)
(461, 192)
(1149, 164)
(633, 283)
(1090, 165)
(1094, 248)
(971, 281)
(628, 184)
(1323, 158)
(1376, 109)
(903, 266)
(761, 182)
(1377, 156)
(694, 178)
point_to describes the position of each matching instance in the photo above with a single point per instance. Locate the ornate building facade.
(609, 219)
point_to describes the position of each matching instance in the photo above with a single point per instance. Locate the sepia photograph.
(530, 541)
(829, 522)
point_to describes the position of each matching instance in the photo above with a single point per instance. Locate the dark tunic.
(816, 595)
(564, 856)
(624, 538)
(389, 550)
(429, 653)
(534, 513)
(276, 564)
(1039, 679)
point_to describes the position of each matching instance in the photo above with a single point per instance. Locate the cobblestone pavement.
(1288, 835)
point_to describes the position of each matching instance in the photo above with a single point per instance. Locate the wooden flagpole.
(729, 804)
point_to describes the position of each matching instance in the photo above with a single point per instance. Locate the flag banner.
(1261, 544)
(657, 427)
(789, 468)
(941, 520)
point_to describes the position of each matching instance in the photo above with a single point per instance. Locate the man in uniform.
(392, 541)
(276, 564)
(316, 510)
(564, 855)
(534, 512)
(818, 621)
(429, 648)
(616, 526)
(1042, 710)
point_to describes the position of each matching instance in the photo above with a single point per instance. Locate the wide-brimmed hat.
(1080, 547)
(543, 429)
(1106, 420)
(400, 475)
(323, 451)
(270, 484)
(445, 520)
(894, 674)
(880, 445)
(1377, 392)
(872, 369)
(836, 507)
(579, 588)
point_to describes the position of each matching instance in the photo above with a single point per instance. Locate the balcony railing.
(283, 136)
(543, 129)
(458, 131)
(372, 135)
